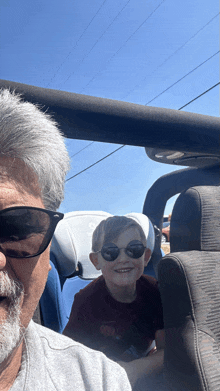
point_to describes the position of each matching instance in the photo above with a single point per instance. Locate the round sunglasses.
(25, 231)
(135, 249)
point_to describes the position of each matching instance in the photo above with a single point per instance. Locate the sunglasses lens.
(23, 232)
(110, 252)
(135, 249)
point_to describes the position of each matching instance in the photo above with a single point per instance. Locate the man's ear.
(147, 256)
(94, 259)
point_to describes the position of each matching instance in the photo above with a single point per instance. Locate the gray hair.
(33, 136)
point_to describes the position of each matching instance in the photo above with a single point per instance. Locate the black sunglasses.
(135, 249)
(26, 231)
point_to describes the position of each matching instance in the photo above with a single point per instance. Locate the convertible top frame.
(98, 119)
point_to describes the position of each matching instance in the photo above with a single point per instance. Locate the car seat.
(189, 282)
(51, 312)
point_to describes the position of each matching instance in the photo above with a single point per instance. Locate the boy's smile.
(121, 274)
(123, 270)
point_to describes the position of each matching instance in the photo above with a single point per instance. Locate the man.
(33, 165)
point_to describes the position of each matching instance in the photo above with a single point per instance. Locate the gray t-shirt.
(54, 362)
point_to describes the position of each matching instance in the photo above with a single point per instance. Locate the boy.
(119, 312)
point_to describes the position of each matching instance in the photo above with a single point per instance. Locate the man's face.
(19, 187)
(124, 271)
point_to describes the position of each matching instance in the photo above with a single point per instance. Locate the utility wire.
(171, 55)
(193, 36)
(87, 54)
(82, 149)
(68, 55)
(95, 163)
(125, 145)
(199, 95)
(124, 43)
(198, 66)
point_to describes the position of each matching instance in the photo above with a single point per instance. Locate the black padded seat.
(189, 282)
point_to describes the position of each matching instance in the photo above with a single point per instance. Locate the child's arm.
(145, 371)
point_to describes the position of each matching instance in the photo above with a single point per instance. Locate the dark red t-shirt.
(117, 329)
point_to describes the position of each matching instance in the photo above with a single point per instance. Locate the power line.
(124, 43)
(169, 57)
(95, 163)
(82, 149)
(68, 55)
(71, 74)
(199, 96)
(198, 66)
(193, 36)
(205, 92)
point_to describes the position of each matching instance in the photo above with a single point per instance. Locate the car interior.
(189, 277)
(190, 291)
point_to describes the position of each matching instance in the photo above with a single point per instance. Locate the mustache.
(10, 288)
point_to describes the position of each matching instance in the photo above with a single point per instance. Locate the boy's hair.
(111, 228)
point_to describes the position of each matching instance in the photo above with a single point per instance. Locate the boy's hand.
(144, 370)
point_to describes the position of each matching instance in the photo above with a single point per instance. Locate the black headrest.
(195, 222)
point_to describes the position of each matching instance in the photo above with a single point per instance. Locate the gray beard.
(11, 331)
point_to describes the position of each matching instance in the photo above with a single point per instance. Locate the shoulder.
(78, 364)
(89, 294)
(148, 282)
(147, 289)
(52, 340)
(91, 288)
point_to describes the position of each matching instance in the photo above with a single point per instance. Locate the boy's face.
(124, 271)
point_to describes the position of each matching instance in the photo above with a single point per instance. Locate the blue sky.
(162, 52)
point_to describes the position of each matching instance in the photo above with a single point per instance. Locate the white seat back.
(72, 242)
